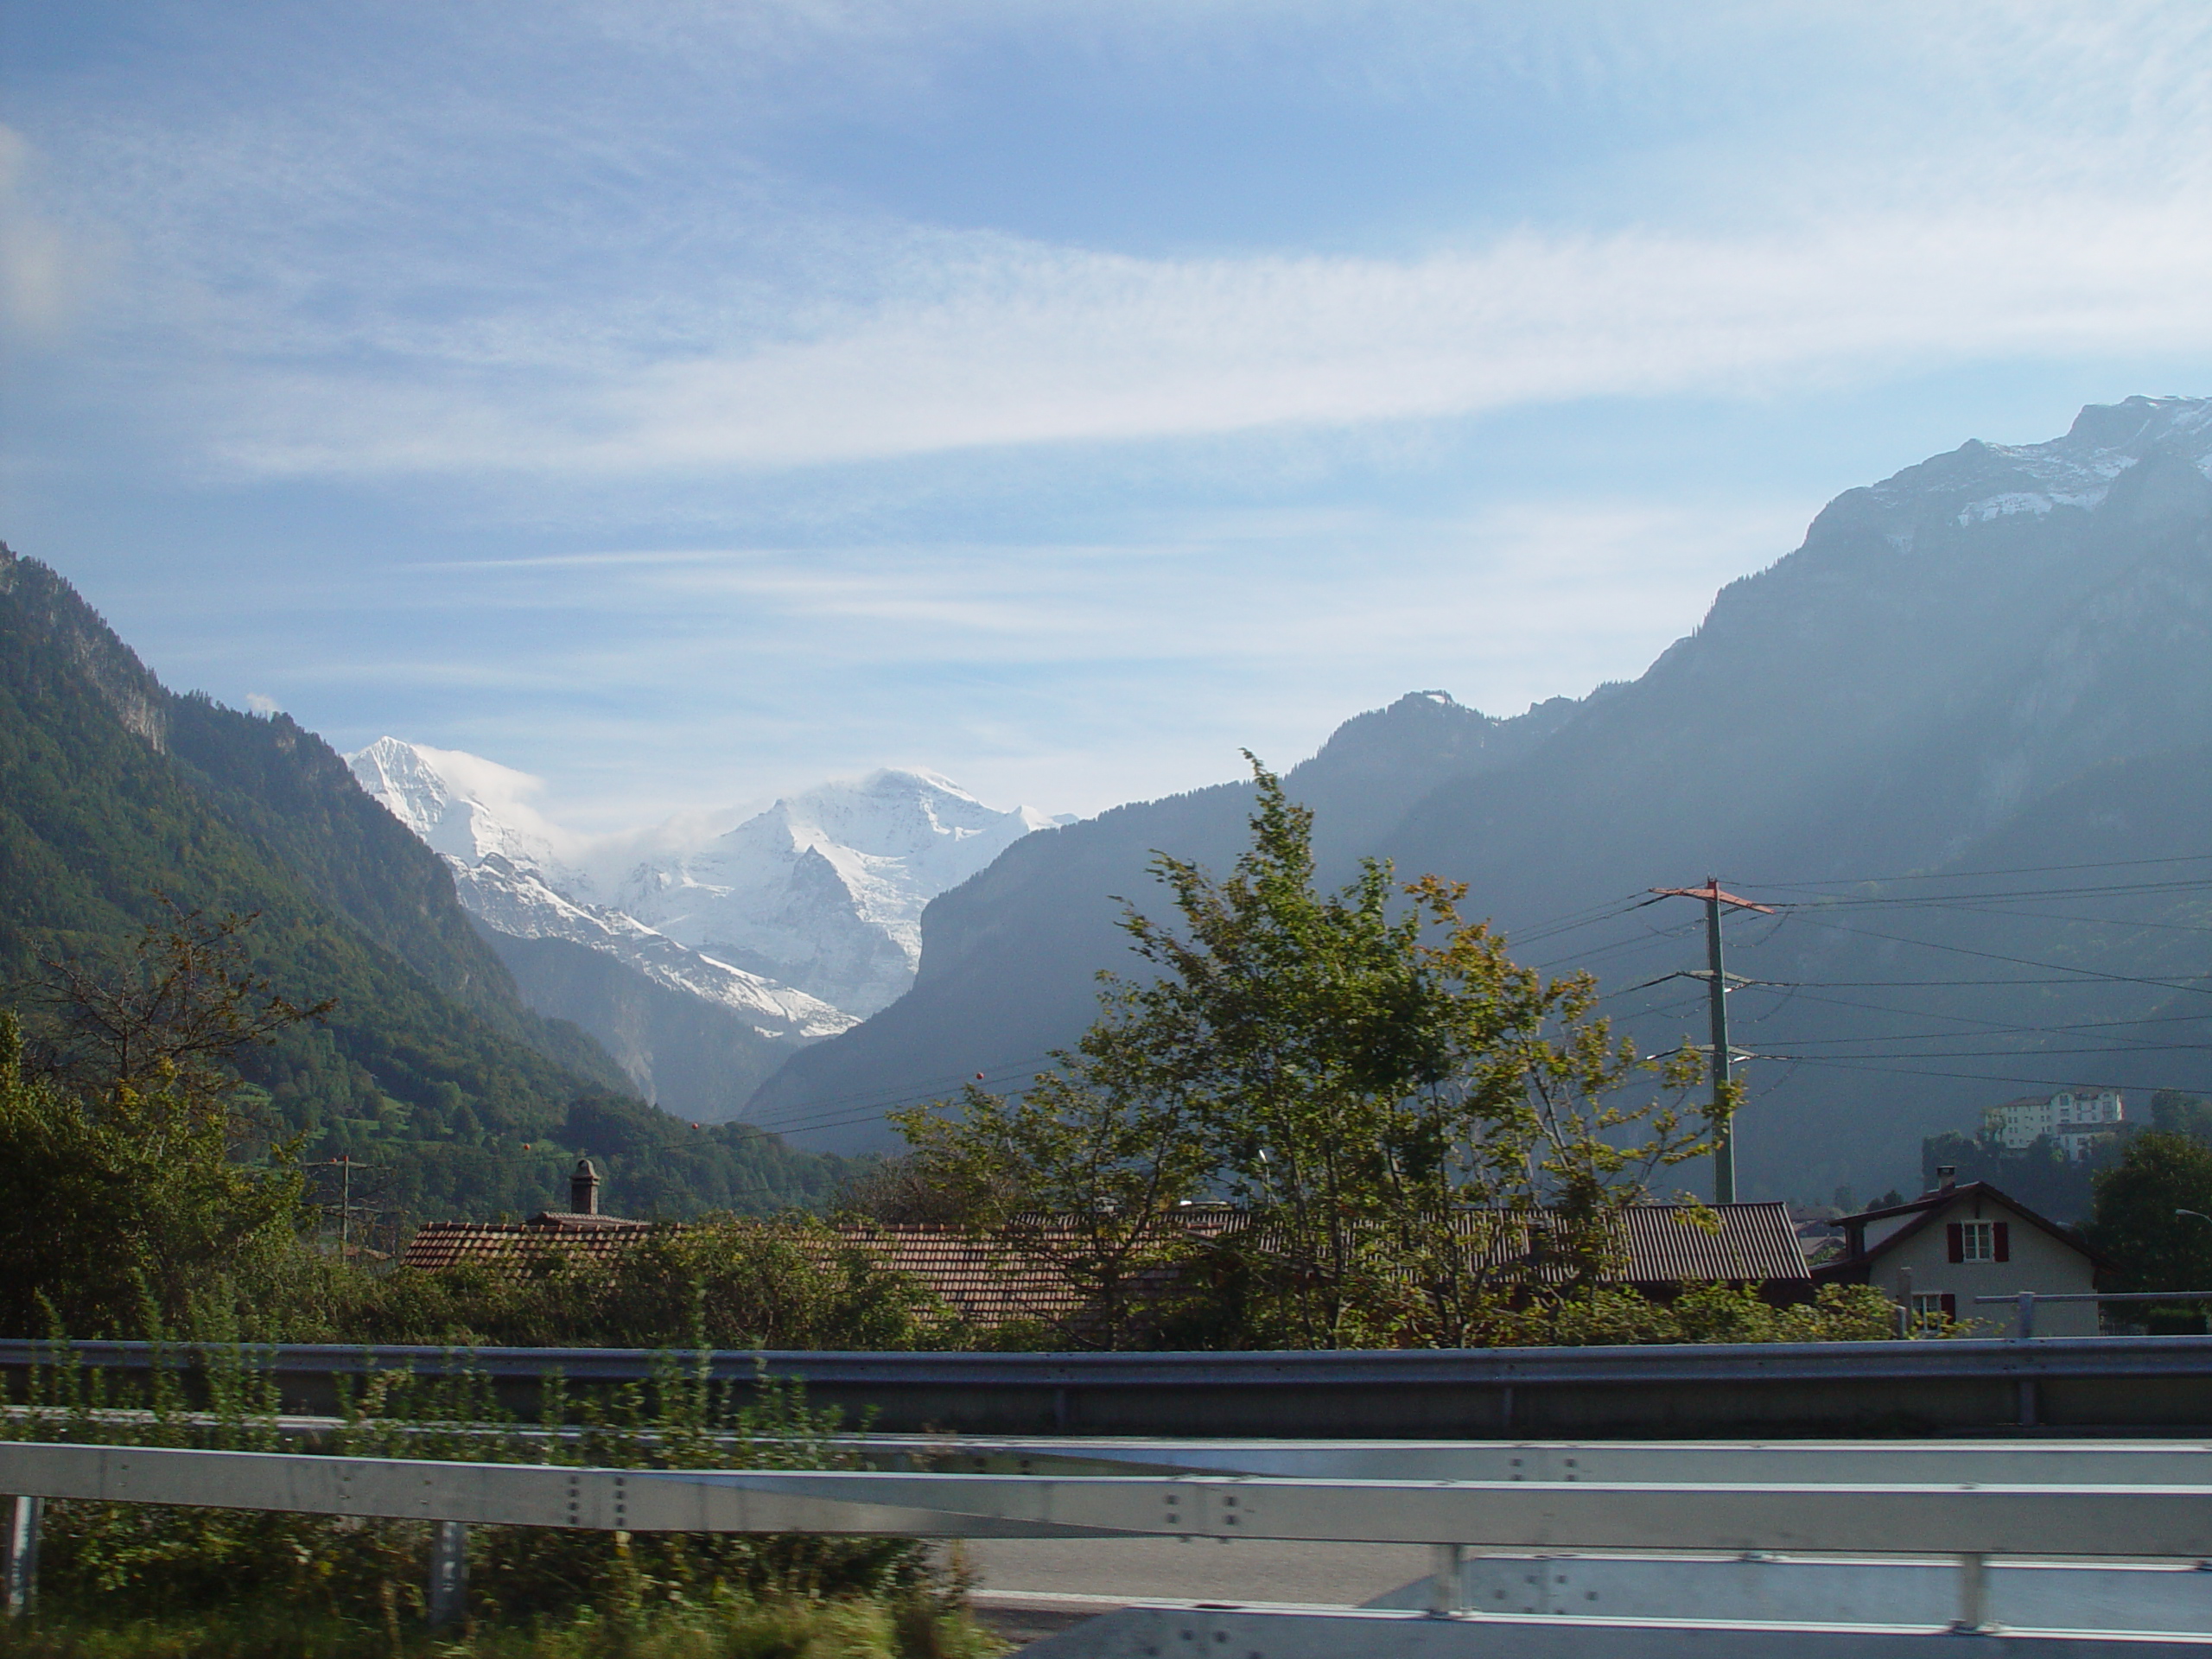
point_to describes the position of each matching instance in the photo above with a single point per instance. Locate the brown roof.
(989, 1281)
(516, 1247)
(985, 1282)
(1660, 1243)
(1753, 1241)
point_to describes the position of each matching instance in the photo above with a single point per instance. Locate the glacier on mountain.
(518, 902)
(804, 918)
(825, 890)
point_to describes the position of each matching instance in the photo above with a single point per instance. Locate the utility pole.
(1716, 974)
(346, 1164)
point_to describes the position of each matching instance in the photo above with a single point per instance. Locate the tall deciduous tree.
(120, 1194)
(1409, 1126)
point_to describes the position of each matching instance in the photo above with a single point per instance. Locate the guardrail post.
(1447, 1590)
(2024, 1325)
(21, 1566)
(1973, 1595)
(449, 1572)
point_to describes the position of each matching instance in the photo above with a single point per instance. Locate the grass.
(724, 1627)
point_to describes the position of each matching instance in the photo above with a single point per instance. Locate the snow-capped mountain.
(789, 928)
(1979, 482)
(518, 900)
(825, 890)
(461, 804)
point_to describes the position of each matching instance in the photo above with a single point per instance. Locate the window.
(1927, 1309)
(1979, 1241)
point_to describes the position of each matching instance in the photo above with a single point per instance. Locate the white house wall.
(2039, 1263)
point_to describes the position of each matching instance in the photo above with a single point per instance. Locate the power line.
(2096, 890)
(1967, 875)
(1917, 1071)
(2023, 962)
(1972, 1019)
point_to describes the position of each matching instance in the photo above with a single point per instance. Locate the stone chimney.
(1947, 1178)
(584, 1189)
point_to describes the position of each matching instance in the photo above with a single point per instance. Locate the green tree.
(2134, 1222)
(172, 1017)
(2174, 1112)
(121, 1195)
(1411, 1127)
(133, 1205)
(1083, 1172)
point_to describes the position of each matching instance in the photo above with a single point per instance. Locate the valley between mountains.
(1960, 742)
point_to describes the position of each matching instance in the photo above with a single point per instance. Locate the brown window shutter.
(2004, 1240)
(1950, 1305)
(1955, 1235)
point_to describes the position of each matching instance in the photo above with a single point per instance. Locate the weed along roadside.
(156, 1578)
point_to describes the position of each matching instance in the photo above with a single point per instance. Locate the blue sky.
(685, 403)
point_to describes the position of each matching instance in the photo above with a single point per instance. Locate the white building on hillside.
(2075, 1118)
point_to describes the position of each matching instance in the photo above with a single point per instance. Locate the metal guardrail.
(2156, 1384)
(1714, 1362)
(2023, 1321)
(1951, 1518)
(2025, 1463)
(1967, 1520)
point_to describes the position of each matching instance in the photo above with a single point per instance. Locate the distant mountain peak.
(461, 804)
(2133, 420)
(1980, 482)
(820, 895)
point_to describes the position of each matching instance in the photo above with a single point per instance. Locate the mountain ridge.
(119, 798)
(1943, 652)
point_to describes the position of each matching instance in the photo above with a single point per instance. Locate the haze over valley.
(685, 559)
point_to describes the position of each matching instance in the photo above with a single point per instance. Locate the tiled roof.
(1663, 1245)
(983, 1281)
(522, 1247)
(987, 1281)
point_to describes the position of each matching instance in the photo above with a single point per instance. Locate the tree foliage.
(175, 1014)
(127, 1203)
(115, 791)
(2135, 1222)
(1391, 1108)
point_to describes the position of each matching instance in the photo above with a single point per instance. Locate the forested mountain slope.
(2000, 658)
(119, 799)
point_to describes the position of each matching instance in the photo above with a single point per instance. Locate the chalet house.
(1936, 1254)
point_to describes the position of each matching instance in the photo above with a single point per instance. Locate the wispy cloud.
(684, 401)
(391, 289)
(1040, 345)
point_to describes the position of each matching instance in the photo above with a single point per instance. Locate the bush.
(242, 1580)
(720, 1627)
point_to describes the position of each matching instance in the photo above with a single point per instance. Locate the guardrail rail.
(2147, 1385)
(1880, 1506)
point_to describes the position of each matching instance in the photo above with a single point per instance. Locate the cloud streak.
(1023, 345)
